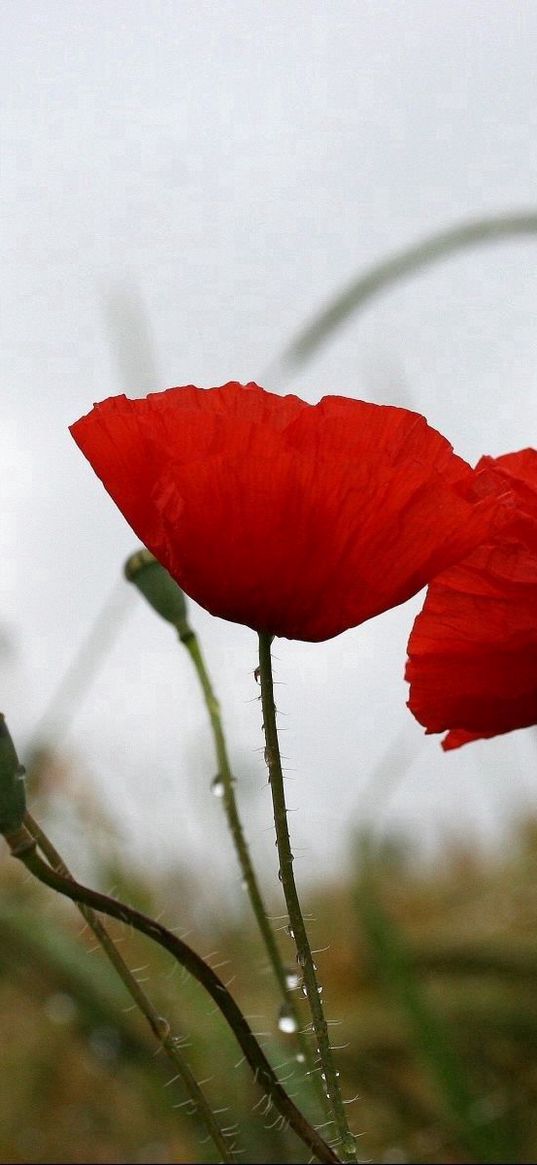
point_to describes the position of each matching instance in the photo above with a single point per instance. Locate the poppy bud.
(12, 796)
(158, 587)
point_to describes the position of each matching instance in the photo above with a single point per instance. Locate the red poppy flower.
(473, 649)
(297, 520)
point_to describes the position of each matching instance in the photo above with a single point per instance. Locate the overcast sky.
(184, 185)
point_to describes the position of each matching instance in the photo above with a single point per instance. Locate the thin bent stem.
(23, 846)
(304, 955)
(158, 1024)
(396, 268)
(74, 684)
(191, 642)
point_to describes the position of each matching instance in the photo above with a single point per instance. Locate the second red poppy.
(473, 649)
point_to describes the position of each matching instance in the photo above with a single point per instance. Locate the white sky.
(184, 184)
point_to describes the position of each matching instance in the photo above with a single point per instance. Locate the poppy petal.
(298, 520)
(472, 663)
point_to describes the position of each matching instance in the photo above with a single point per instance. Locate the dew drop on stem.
(286, 1019)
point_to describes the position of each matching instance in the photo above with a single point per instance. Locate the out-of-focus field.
(429, 971)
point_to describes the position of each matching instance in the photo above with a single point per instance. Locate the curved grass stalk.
(158, 1024)
(23, 846)
(395, 268)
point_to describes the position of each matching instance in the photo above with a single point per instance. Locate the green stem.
(304, 955)
(158, 1024)
(191, 642)
(23, 846)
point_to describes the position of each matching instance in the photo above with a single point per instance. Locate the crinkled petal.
(472, 663)
(294, 519)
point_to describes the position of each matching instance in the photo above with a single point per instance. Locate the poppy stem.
(190, 641)
(346, 1141)
(23, 846)
(158, 1024)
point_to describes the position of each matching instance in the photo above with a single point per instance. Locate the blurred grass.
(429, 973)
(394, 269)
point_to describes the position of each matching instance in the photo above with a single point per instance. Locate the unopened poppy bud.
(12, 796)
(158, 587)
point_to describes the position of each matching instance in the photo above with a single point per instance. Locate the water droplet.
(217, 786)
(319, 990)
(293, 979)
(289, 930)
(163, 1028)
(280, 875)
(60, 1007)
(301, 959)
(300, 1058)
(286, 1019)
(304, 989)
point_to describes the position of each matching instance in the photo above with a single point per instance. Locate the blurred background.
(185, 187)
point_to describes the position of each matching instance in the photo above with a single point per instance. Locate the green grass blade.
(431, 1034)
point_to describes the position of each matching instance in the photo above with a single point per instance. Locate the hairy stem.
(191, 642)
(158, 1024)
(23, 846)
(304, 955)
